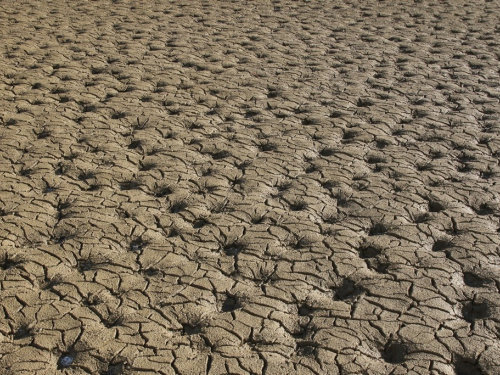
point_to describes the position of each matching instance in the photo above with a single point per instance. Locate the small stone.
(66, 361)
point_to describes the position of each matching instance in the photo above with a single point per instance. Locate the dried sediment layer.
(249, 187)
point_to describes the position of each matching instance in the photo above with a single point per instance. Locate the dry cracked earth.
(232, 187)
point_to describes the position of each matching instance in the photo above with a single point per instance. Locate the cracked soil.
(236, 187)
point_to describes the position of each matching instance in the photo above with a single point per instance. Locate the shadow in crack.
(394, 352)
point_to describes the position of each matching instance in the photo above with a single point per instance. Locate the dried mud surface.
(249, 187)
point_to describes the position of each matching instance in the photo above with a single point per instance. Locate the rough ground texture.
(249, 187)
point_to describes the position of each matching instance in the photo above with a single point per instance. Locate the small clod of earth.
(395, 352)
(231, 303)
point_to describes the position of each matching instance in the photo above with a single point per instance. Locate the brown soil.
(233, 187)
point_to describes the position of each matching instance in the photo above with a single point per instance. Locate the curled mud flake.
(435, 206)
(369, 251)
(114, 369)
(237, 181)
(44, 133)
(98, 70)
(162, 191)
(26, 172)
(364, 102)
(305, 310)
(94, 187)
(378, 229)
(51, 283)
(441, 245)
(147, 166)
(327, 152)
(221, 155)
(89, 108)
(8, 261)
(382, 143)
(420, 218)
(311, 169)
(349, 136)
(61, 238)
(233, 249)
(200, 223)
(373, 258)
(135, 144)
(259, 218)
(23, 331)
(243, 165)
(302, 243)
(331, 218)
(283, 186)
(486, 175)
(231, 303)
(172, 232)
(191, 329)
(437, 154)
(195, 141)
(268, 147)
(91, 300)
(419, 113)
(137, 245)
(84, 265)
(60, 170)
(466, 366)
(298, 205)
(422, 167)
(375, 159)
(86, 175)
(113, 320)
(394, 352)
(274, 92)
(329, 184)
(348, 290)
(476, 310)
(177, 207)
(307, 348)
(152, 272)
(129, 185)
(118, 115)
(221, 207)
(311, 121)
(475, 281)
(486, 209)
(252, 113)
(378, 265)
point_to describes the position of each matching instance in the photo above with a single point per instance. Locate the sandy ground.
(285, 187)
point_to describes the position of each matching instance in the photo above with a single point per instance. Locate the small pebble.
(66, 361)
